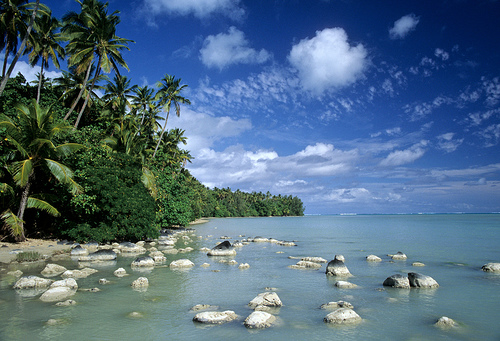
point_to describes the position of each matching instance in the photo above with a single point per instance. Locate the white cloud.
(440, 53)
(199, 8)
(224, 49)
(30, 72)
(492, 89)
(403, 26)
(347, 195)
(328, 61)
(401, 157)
(447, 143)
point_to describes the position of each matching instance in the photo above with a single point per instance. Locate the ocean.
(453, 248)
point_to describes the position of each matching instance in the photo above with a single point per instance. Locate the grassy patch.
(30, 256)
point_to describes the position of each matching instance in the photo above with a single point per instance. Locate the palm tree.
(34, 141)
(142, 101)
(117, 95)
(169, 94)
(17, 18)
(44, 44)
(92, 34)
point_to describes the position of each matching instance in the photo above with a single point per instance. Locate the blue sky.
(354, 106)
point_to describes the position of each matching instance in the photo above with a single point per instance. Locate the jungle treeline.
(103, 168)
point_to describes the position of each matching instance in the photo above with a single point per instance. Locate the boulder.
(104, 281)
(52, 270)
(313, 259)
(268, 299)
(305, 265)
(57, 294)
(286, 243)
(373, 258)
(100, 255)
(66, 303)
(143, 262)
(345, 285)
(68, 282)
(243, 266)
(120, 272)
(417, 264)
(223, 249)
(336, 267)
(128, 247)
(158, 256)
(181, 263)
(399, 256)
(421, 281)
(259, 319)
(215, 317)
(140, 283)
(83, 273)
(445, 322)
(260, 240)
(78, 250)
(397, 281)
(336, 305)
(491, 267)
(32, 282)
(15, 273)
(342, 316)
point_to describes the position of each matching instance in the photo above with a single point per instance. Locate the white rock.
(120, 272)
(373, 258)
(51, 270)
(143, 262)
(259, 319)
(345, 285)
(445, 322)
(314, 259)
(57, 294)
(269, 299)
(181, 263)
(243, 266)
(399, 256)
(491, 267)
(32, 282)
(68, 282)
(215, 317)
(336, 305)
(141, 282)
(342, 316)
(421, 281)
(85, 272)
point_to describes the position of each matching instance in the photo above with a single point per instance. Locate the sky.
(353, 106)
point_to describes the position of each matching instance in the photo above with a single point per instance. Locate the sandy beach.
(42, 246)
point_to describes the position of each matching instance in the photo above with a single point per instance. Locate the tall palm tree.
(92, 35)
(44, 44)
(17, 19)
(141, 101)
(169, 94)
(34, 140)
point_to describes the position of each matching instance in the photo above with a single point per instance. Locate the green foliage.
(115, 205)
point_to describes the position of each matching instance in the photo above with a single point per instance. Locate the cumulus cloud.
(230, 48)
(403, 26)
(347, 195)
(401, 157)
(30, 73)
(328, 61)
(199, 8)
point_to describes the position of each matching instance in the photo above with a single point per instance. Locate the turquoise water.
(453, 248)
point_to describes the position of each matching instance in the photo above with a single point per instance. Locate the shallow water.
(453, 247)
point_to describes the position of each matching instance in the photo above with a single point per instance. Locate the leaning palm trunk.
(87, 75)
(161, 135)
(39, 84)
(88, 95)
(20, 213)
(7, 47)
(20, 51)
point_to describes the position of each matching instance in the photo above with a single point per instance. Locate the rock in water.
(399, 256)
(100, 255)
(222, 249)
(397, 281)
(32, 282)
(57, 294)
(268, 299)
(373, 258)
(342, 316)
(421, 281)
(140, 283)
(336, 267)
(215, 317)
(143, 262)
(181, 263)
(51, 270)
(491, 267)
(259, 319)
(445, 322)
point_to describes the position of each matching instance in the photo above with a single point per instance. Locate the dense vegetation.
(97, 168)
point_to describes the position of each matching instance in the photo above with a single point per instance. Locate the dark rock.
(421, 281)
(225, 245)
(397, 281)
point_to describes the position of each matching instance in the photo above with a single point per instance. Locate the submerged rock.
(399, 256)
(128, 247)
(78, 250)
(343, 316)
(83, 273)
(68, 282)
(215, 317)
(345, 285)
(373, 258)
(143, 262)
(100, 255)
(421, 281)
(58, 293)
(305, 265)
(243, 266)
(32, 282)
(336, 305)
(181, 263)
(397, 281)
(336, 267)
(51, 270)
(445, 322)
(313, 259)
(491, 267)
(120, 272)
(140, 283)
(259, 319)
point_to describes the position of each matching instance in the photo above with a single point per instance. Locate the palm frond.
(64, 175)
(148, 180)
(43, 206)
(21, 170)
(12, 223)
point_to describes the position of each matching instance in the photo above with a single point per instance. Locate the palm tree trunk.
(84, 85)
(88, 95)
(22, 208)
(20, 51)
(161, 135)
(7, 47)
(39, 84)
